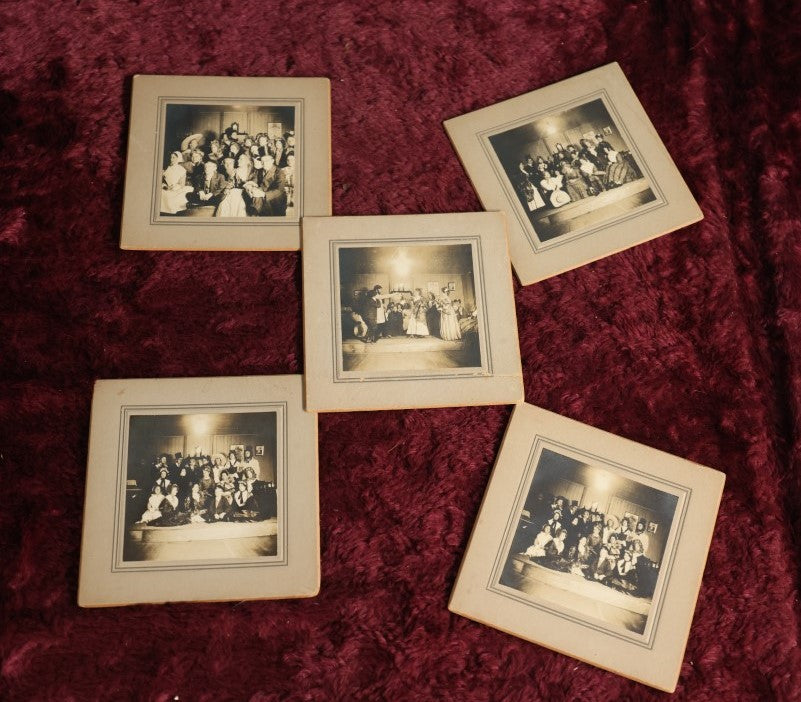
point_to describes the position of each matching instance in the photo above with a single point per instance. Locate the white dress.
(173, 199)
(233, 204)
(558, 196)
(537, 549)
(449, 329)
(418, 325)
(153, 503)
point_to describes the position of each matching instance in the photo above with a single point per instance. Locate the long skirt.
(232, 205)
(416, 327)
(151, 515)
(577, 189)
(174, 201)
(534, 199)
(619, 172)
(449, 327)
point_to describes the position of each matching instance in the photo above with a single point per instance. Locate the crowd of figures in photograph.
(230, 173)
(572, 169)
(208, 489)
(574, 172)
(601, 547)
(374, 314)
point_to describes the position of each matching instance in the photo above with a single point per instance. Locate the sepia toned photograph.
(408, 308)
(564, 551)
(198, 489)
(577, 167)
(408, 311)
(225, 163)
(228, 161)
(571, 170)
(582, 541)
(195, 489)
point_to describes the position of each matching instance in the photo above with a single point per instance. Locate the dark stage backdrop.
(689, 343)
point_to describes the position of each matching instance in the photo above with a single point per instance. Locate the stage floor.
(201, 541)
(550, 223)
(575, 592)
(405, 353)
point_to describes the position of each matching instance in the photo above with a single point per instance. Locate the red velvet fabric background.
(689, 343)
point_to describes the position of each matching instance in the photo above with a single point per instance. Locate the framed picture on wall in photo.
(409, 311)
(217, 523)
(579, 170)
(225, 163)
(553, 560)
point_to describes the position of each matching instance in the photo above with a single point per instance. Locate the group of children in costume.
(202, 488)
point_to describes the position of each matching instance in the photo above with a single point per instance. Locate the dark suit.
(215, 185)
(371, 303)
(273, 204)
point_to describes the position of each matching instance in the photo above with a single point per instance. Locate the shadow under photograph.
(591, 541)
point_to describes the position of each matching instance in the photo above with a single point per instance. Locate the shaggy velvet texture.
(688, 343)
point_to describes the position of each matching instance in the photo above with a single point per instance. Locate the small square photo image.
(577, 167)
(181, 471)
(389, 325)
(225, 163)
(409, 311)
(229, 161)
(577, 545)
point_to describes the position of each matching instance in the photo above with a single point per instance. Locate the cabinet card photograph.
(409, 311)
(234, 162)
(179, 506)
(579, 170)
(565, 555)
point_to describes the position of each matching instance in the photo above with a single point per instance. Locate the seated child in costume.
(153, 502)
(244, 504)
(537, 549)
(608, 558)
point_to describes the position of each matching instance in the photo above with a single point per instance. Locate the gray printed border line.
(516, 207)
(122, 451)
(299, 104)
(525, 480)
(336, 324)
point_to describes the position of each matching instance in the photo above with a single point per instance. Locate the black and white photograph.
(572, 169)
(583, 542)
(562, 552)
(196, 490)
(403, 311)
(577, 167)
(225, 163)
(228, 161)
(408, 307)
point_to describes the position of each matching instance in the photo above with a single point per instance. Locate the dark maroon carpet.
(689, 344)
